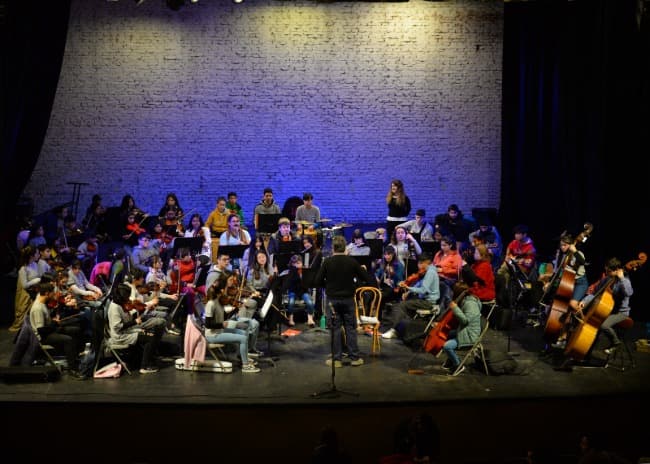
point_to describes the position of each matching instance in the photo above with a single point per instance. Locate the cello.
(437, 336)
(564, 293)
(584, 336)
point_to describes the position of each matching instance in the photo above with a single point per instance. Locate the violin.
(232, 293)
(55, 300)
(413, 278)
(135, 229)
(139, 306)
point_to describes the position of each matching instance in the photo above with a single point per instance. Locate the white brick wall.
(335, 99)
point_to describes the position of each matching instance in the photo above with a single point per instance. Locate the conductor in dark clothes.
(341, 275)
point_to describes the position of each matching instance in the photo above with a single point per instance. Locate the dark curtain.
(33, 37)
(574, 147)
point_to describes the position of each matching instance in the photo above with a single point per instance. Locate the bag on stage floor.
(29, 374)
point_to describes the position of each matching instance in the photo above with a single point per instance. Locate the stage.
(277, 414)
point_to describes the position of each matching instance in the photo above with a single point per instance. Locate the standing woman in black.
(399, 206)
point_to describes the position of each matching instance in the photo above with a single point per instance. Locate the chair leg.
(121, 361)
(482, 355)
(51, 360)
(220, 358)
(622, 358)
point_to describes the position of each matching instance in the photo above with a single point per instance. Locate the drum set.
(322, 235)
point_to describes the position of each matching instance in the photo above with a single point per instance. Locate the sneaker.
(356, 362)
(255, 354)
(173, 331)
(390, 333)
(612, 348)
(533, 322)
(250, 368)
(337, 363)
(148, 370)
(560, 344)
(458, 371)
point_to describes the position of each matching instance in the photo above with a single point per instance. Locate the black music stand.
(194, 244)
(332, 392)
(235, 252)
(376, 247)
(267, 223)
(429, 246)
(285, 251)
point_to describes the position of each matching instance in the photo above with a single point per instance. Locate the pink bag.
(109, 371)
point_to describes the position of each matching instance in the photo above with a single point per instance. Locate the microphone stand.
(332, 392)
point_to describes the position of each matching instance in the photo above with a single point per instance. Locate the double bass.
(437, 336)
(599, 309)
(564, 292)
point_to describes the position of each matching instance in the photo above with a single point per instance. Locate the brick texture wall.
(332, 98)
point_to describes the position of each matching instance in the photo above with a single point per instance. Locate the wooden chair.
(367, 301)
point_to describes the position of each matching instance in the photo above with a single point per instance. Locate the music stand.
(332, 392)
(376, 247)
(429, 246)
(285, 251)
(267, 223)
(263, 313)
(235, 252)
(194, 244)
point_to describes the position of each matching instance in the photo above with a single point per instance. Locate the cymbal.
(303, 223)
(343, 224)
(325, 220)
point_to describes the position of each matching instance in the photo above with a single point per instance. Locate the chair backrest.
(367, 301)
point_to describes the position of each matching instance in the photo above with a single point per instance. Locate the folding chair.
(214, 349)
(476, 349)
(367, 301)
(101, 339)
(44, 348)
(194, 342)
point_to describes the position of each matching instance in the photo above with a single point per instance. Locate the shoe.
(612, 348)
(560, 344)
(357, 362)
(173, 331)
(76, 375)
(337, 363)
(148, 370)
(458, 371)
(447, 365)
(255, 354)
(250, 368)
(390, 333)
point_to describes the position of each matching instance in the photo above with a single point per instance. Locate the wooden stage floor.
(275, 416)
